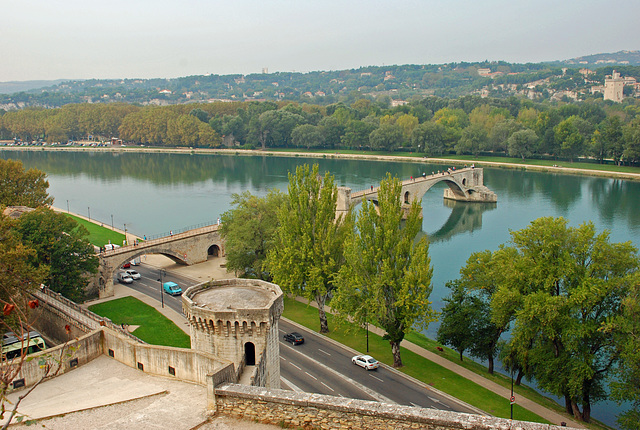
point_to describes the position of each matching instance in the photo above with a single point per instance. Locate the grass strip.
(98, 235)
(155, 328)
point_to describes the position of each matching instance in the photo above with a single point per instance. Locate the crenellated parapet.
(236, 319)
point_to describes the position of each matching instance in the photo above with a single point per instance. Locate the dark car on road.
(295, 338)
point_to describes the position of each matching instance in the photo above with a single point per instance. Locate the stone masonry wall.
(316, 411)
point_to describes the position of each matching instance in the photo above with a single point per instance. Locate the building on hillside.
(613, 87)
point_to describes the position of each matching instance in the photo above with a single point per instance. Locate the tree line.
(558, 305)
(432, 126)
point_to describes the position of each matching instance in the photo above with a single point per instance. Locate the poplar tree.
(308, 247)
(386, 279)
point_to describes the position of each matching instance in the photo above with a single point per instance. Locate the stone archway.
(249, 354)
(214, 251)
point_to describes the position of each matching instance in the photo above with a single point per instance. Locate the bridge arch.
(186, 248)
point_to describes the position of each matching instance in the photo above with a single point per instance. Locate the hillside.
(397, 83)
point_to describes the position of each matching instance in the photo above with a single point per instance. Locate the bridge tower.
(237, 319)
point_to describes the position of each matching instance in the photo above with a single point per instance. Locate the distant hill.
(627, 58)
(388, 84)
(17, 86)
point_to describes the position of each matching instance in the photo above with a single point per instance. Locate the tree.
(387, 137)
(569, 137)
(248, 231)
(60, 244)
(429, 137)
(22, 188)
(566, 283)
(626, 331)
(308, 247)
(387, 275)
(472, 140)
(472, 294)
(307, 136)
(522, 143)
(456, 316)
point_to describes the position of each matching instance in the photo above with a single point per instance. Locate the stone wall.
(65, 357)
(310, 411)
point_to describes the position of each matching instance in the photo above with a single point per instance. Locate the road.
(320, 365)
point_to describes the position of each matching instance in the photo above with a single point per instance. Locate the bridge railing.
(159, 239)
(182, 230)
(414, 179)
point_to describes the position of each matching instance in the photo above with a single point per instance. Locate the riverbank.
(556, 168)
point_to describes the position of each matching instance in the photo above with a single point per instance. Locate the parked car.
(295, 338)
(126, 265)
(135, 275)
(110, 247)
(366, 361)
(124, 278)
(172, 288)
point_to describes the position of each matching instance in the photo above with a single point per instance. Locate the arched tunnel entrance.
(249, 354)
(214, 251)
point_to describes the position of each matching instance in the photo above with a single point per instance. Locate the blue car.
(172, 288)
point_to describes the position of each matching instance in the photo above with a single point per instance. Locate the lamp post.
(162, 273)
(125, 235)
(112, 222)
(512, 400)
(89, 210)
(68, 206)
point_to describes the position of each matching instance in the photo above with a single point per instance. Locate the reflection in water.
(465, 217)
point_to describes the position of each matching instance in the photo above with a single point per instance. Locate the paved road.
(320, 365)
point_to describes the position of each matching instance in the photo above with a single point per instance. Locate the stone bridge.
(464, 185)
(189, 247)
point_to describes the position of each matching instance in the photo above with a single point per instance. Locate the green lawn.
(155, 328)
(414, 365)
(99, 235)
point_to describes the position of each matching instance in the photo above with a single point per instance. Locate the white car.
(366, 361)
(133, 274)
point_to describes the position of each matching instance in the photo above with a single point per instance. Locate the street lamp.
(68, 206)
(162, 273)
(125, 235)
(112, 222)
(89, 210)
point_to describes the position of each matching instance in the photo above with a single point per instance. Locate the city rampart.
(237, 319)
(315, 411)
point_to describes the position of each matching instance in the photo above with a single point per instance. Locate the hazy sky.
(78, 39)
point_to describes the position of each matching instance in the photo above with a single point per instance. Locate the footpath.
(212, 270)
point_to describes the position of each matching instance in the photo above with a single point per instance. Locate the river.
(153, 193)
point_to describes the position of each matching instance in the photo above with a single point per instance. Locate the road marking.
(324, 352)
(311, 376)
(327, 386)
(295, 366)
(413, 404)
(291, 385)
(379, 397)
(434, 400)
(282, 358)
(376, 378)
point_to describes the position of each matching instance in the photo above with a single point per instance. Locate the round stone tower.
(237, 319)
